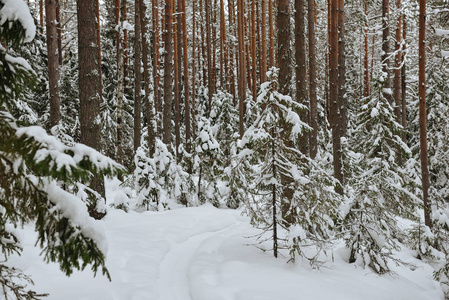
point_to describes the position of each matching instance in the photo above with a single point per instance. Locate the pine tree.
(31, 165)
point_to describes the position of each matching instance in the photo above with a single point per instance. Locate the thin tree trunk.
(300, 57)
(247, 53)
(137, 74)
(186, 76)
(194, 69)
(312, 80)
(341, 74)
(41, 15)
(242, 64)
(422, 113)
(386, 49)
(53, 64)
(156, 61)
(403, 77)
(397, 69)
(253, 49)
(263, 69)
(271, 32)
(283, 51)
(168, 72)
(203, 62)
(58, 21)
(214, 46)
(177, 74)
(366, 84)
(232, 67)
(125, 47)
(207, 5)
(146, 77)
(120, 91)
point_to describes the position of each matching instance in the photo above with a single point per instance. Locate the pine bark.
(53, 62)
(386, 49)
(176, 76)
(146, 78)
(137, 74)
(156, 62)
(253, 50)
(89, 82)
(120, 89)
(58, 26)
(366, 80)
(168, 72)
(263, 67)
(403, 78)
(241, 63)
(422, 113)
(313, 147)
(283, 50)
(41, 15)
(300, 68)
(207, 5)
(186, 76)
(271, 32)
(397, 69)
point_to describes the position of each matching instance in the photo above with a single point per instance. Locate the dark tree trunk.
(168, 72)
(137, 74)
(397, 70)
(422, 112)
(210, 86)
(312, 80)
(53, 61)
(263, 66)
(89, 81)
(386, 49)
(241, 63)
(186, 76)
(300, 57)
(283, 50)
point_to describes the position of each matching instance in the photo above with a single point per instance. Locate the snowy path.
(202, 254)
(173, 279)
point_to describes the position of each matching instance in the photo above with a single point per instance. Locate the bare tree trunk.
(422, 113)
(271, 32)
(207, 5)
(300, 57)
(341, 74)
(253, 49)
(58, 21)
(120, 90)
(194, 69)
(263, 68)
(53, 64)
(242, 64)
(186, 76)
(366, 83)
(386, 49)
(397, 69)
(312, 80)
(41, 15)
(125, 47)
(146, 77)
(403, 77)
(283, 51)
(177, 74)
(203, 62)
(233, 32)
(89, 82)
(156, 62)
(168, 72)
(137, 74)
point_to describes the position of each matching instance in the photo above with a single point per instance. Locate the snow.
(205, 253)
(18, 10)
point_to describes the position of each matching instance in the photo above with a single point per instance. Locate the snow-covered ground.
(202, 253)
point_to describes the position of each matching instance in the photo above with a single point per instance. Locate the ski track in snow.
(173, 281)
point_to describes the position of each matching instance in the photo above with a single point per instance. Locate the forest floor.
(205, 253)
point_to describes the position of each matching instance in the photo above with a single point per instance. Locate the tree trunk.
(300, 57)
(194, 69)
(89, 81)
(283, 51)
(312, 80)
(263, 67)
(177, 74)
(53, 62)
(403, 77)
(186, 76)
(386, 49)
(242, 64)
(366, 84)
(41, 15)
(271, 32)
(137, 74)
(334, 97)
(146, 78)
(341, 72)
(156, 62)
(253, 49)
(58, 21)
(397, 69)
(168, 72)
(422, 112)
(207, 5)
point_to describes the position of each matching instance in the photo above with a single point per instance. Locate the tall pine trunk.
(313, 146)
(137, 74)
(168, 72)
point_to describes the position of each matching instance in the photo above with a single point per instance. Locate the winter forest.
(224, 149)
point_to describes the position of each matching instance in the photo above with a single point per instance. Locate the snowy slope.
(201, 254)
